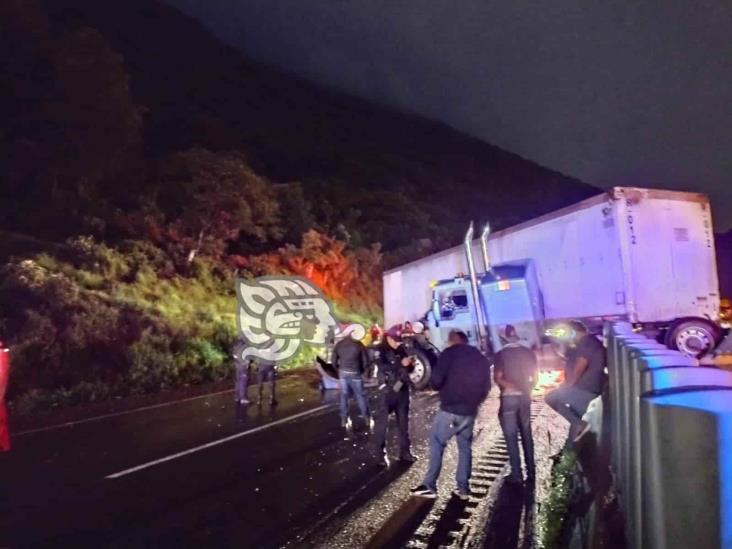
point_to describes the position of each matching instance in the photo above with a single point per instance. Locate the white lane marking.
(219, 441)
(115, 414)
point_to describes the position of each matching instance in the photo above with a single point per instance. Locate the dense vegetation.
(144, 165)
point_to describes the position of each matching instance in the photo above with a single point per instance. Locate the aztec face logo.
(276, 315)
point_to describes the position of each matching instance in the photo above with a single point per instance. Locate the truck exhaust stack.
(479, 320)
(484, 247)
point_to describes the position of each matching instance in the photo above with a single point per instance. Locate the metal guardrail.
(671, 444)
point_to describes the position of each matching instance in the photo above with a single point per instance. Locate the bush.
(152, 365)
(92, 321)
(553, 513)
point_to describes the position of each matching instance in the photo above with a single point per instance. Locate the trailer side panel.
(577, 258)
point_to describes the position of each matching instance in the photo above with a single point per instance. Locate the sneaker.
(407, 458)
(423, 491)
(583, 430)
(383, 460)
(370, 423)
(245, 401)
(462, 496)
(346, 424)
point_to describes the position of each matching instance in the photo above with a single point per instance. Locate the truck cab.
(509, 294)
(452, 309)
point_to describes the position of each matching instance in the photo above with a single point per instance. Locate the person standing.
(462, 375)
(242, 372)
(394, 365)
(267, 373)
(4, 377)
(375, 332)
(515, 371)
(351, 361)
(585, 382)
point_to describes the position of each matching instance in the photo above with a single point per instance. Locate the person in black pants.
(515, 372)
(394, 366)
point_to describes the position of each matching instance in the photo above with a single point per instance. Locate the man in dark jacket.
(515, 370)
(394, 365)
(462, 375)
(351, 361)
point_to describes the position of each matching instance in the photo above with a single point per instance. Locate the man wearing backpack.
(462, 375)
(515, 372)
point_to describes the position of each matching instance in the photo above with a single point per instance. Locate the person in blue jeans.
(462, 375)
(515, 371)
(351, 360)
(585, 383)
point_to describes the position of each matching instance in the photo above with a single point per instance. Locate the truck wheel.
(420, 375)
(694, 337)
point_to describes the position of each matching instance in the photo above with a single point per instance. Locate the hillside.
(354, 156)
(144, 166)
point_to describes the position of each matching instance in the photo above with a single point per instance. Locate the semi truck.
(641, 255)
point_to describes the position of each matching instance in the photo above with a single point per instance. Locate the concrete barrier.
(669, 415)
(615, 342)
(686, 470)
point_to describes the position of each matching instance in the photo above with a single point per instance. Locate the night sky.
(615, 93)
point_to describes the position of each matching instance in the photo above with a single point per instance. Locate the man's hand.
(407, 361)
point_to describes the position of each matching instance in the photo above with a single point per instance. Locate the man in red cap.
(394, 366)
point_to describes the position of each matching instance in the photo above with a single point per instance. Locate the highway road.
(207, 472)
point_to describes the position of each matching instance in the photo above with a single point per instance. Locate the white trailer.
(644, 255)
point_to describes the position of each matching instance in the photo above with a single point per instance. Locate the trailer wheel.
(694, 337)
(420, 374)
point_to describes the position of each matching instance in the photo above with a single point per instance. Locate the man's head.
(510, 334)
(457, 337)
(393, 336)
(578, 327)
(579, 330)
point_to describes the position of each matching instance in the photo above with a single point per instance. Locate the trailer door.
(693, 260)
(673, 263)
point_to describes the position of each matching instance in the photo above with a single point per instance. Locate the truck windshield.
(460, 299)
(451, 301)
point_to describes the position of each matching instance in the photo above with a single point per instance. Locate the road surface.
(206, 472)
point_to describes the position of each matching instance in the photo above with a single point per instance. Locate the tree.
(295, 211)
(209, 200)
(68, 122)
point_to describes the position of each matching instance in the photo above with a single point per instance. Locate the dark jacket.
(350, 358)
(463, 377)
(390, 368)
